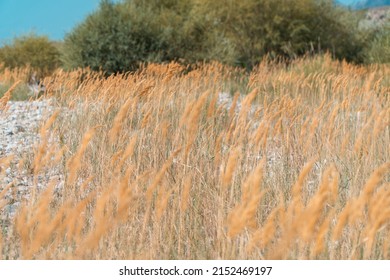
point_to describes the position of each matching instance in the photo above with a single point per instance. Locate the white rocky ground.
(19, 135)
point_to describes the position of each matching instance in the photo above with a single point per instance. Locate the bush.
(180, 32)
(118, 37)
(240, 33)
(245, 31)
(37, 52)
(113, 40)
(103, 41)
(379, 49)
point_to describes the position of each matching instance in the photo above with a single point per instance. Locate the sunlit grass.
(156, 168)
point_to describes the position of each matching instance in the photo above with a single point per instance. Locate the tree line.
(119, 36)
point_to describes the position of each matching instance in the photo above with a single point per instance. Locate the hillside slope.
(375, 18)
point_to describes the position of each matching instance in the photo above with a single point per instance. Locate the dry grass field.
(296, 166)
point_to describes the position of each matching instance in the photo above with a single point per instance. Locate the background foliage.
(379, 50)
(37, 52)
(119, 36)
(240, 33)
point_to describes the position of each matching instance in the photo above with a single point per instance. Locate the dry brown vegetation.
(156, 168)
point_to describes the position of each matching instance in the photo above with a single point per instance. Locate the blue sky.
(45, 17)
(364, 3)
(347, 2)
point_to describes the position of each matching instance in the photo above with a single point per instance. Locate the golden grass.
(156, 168)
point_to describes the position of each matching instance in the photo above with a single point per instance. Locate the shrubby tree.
(37, 52)
(244, 31)
(112, 39)
(119, 36)
(178, 33)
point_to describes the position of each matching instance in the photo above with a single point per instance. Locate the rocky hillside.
(375, 18)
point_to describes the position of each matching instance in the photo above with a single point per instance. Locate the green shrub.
(379, 49)
(113, 39)
(37, 52)
(244, 31)
(119, 36)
